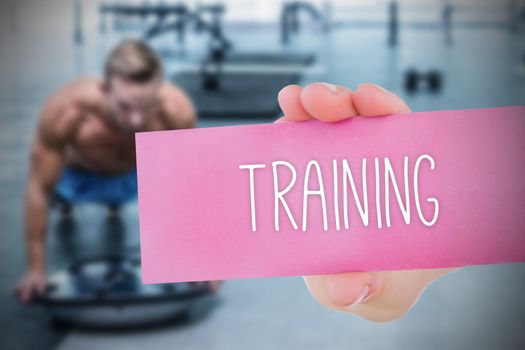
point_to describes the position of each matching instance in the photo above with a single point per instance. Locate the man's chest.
(98, 147)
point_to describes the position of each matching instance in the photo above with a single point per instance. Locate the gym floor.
(476, 307)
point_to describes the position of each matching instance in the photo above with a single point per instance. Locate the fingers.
(25, 293)
(30, 287)
(282, 119)
(371, 100)
(20, 293)
(215, 285)
(331, 103)
(290, 102)
(324, 102)
(41, 287)
(328, 103)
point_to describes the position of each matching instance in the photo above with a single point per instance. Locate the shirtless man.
(84, 148)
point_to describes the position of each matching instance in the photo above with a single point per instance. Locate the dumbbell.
(210, 81)
(210, 76)
(211, 68)
(217, 54)
(413, 78)
(434, 80)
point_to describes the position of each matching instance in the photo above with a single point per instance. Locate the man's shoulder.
(177, 108)
(64, 110)
(172, 92)
(78, 93)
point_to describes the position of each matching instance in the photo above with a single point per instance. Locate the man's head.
(133, 76)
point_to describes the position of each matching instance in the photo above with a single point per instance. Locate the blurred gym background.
(232, 57)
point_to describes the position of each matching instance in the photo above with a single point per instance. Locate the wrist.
(37, 269)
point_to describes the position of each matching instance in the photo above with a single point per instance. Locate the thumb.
(345, 289)
(41, 286)
(376, 296)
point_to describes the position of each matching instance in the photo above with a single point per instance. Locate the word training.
(383, 172)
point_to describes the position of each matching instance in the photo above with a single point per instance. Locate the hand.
(213, 286)
(376, 296)
(33, 284)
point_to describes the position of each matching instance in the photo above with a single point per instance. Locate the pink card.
(419, 190)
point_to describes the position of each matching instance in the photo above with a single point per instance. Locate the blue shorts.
(79, 186)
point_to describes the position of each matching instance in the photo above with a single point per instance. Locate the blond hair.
(133, 60)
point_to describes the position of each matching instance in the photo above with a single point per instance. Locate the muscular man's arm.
(46, 164)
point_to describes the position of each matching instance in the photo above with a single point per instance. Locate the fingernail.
(362, 296)
(380, 88)
(330, 87)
